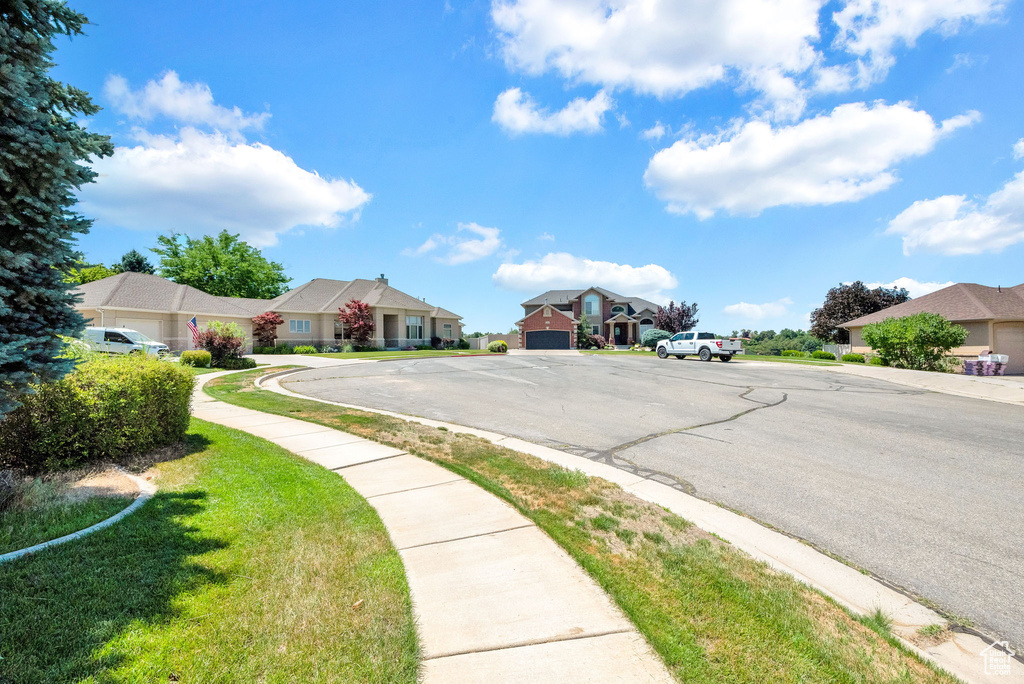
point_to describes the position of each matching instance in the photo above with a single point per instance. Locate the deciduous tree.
(224, 266)
(264, 327)
(676, 318)
(42, 145)
(358, 320)
(847, 302)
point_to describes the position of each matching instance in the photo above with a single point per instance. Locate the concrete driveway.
(925, 490)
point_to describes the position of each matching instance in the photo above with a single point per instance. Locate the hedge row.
(107, 409)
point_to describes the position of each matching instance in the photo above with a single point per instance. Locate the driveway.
(922, 489)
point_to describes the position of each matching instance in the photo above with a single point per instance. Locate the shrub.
(853, 358)
(304, 349)
(425, 347)
(795, 353)
(819, 354)
(108, 408)
(348, 349)
(435, 343)
(367, 348)
(220, 346)
(463, 344)
(358, 321)
(598, 342)
(243, 363)
(264, 327)
(918, 341)
(199, 358)
(651, 337)
(283, 349)
(497, 347)
(876, 361)
(951, 364)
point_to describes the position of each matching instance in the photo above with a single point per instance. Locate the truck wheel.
(725, 357)
(662, 353)
(705, 354)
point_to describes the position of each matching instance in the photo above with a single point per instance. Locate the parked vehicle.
(123, 341)
(701, 344)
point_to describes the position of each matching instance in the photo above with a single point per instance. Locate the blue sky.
(744, 154)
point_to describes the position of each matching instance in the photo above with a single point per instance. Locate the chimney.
(382, 280)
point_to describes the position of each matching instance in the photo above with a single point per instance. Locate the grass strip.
(250, 564)
(419, 353)
(20, 529)
(713, 613)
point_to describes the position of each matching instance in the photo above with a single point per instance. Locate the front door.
(620, 333)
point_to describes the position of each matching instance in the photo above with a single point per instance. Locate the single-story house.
(993, 317)
(161, 309)
(551, 318)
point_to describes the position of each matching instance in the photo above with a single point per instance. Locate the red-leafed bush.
(598, 341)
(358, 320)
(264, 327)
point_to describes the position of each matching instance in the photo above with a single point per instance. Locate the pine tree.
(41, 147)
(134, 261)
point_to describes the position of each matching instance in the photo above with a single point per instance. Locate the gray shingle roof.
(153, 293)
(959, 302)
(144, 291)
(555, 297)
(438, 312)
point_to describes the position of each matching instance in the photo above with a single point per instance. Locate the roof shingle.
(959, 302)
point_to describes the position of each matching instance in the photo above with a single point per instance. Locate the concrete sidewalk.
(495, 600)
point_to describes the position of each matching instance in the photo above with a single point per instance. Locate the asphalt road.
(924, 490)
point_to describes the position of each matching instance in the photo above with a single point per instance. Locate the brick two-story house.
(550, 319)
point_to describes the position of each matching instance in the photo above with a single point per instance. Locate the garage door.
(1009, 340)
(151, 329)
(547, 339)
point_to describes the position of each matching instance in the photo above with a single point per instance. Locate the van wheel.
(725, 358)
(662, 353)
(705, 354)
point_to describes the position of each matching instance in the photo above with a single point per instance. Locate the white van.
(123, 341)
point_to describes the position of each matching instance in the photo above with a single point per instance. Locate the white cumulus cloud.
(655, 132)
(559, 270)
(199, 183)
(916, 288)
(516, 112)
(953, 224)
(759, 312)
(872, 29)
(461, 248)
(841, 156)
(1018, 149)
(189, 103)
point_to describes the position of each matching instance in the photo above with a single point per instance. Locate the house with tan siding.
(161, 310)
(993, 317)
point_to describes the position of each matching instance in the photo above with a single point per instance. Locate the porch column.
(378, 326)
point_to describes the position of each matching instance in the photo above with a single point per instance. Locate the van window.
(112, 336)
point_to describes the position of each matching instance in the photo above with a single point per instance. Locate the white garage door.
(151, 329)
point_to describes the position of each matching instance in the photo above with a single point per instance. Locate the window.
(706, 336)
(297, 326)
(645, 325)
(414, 327)
(678, 336)
(688, 336)
(591, 304)
(618, 310)
(111, 336)
(447, 330)
(595, 330)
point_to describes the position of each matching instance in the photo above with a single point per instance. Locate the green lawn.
(425, 353)
(249, 565)
(20, 529)
(711, 612)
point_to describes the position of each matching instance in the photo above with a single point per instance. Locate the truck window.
(688, 336)
(677, 337)
(706, 336)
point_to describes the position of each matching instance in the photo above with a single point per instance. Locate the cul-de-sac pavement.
(921, 489)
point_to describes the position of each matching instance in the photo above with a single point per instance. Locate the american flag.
(195, 331)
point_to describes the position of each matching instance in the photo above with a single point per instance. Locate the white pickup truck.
(703, 344)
